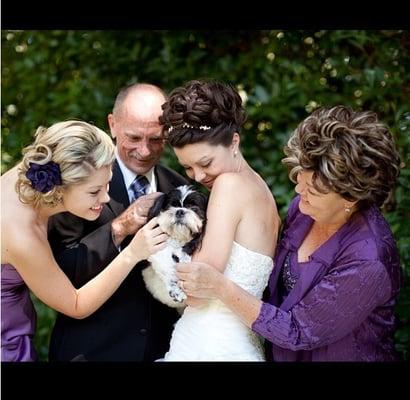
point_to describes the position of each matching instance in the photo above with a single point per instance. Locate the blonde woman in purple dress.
(66, 169)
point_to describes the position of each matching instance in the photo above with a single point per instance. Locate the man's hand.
(133, 218)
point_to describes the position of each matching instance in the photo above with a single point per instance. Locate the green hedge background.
(54, 75)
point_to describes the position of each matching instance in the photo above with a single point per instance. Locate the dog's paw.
(178, 296)
(176, 293)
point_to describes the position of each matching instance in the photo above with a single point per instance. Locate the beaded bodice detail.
(249, 269)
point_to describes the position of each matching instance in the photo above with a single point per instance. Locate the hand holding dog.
(135, 216)
(200, 281)
(195, 301)
(147, 241)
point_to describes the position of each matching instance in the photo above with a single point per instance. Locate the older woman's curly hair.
(350, 153)
(201, 111)
(78, 148)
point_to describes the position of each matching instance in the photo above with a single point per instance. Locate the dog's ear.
(196, 242)
(205, 199)
(191, 246)
(202, 200)
(156, 207)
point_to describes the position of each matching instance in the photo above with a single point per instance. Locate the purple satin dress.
(18, 317)
(339, 305)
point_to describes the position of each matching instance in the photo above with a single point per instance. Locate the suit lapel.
(165, 180)
(119, 200)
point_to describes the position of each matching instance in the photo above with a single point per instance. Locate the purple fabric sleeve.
(341, 301)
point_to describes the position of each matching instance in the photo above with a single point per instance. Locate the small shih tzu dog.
(181, 215)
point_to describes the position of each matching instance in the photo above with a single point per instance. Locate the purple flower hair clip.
(44, 177)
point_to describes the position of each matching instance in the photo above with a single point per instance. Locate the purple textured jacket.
(342, 306)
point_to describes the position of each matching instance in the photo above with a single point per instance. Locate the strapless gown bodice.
(213, 332)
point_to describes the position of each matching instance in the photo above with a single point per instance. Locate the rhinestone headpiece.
(185, 125)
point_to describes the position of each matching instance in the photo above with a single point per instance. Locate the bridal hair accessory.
(185, 125)
(44, 177)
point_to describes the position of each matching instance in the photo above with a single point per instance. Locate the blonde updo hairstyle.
(351, 153)
(77, 147)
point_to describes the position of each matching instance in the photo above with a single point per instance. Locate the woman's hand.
(148, 240)
(195, 302)
(200, 280)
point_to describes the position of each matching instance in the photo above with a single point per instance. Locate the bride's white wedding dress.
(213, 332)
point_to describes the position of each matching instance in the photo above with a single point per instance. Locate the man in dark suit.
(131, 325)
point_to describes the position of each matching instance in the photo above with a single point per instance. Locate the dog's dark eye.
(195, 209)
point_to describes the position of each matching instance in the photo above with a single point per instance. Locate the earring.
(58, 198)
(347, 210)
(235, 153)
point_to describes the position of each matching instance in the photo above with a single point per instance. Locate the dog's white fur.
(160, 277)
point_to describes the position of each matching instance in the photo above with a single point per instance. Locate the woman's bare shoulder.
(16, 236)
(228, 178)
(228, 186)
(18, 220)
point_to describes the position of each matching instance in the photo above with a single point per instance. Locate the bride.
(203, 119)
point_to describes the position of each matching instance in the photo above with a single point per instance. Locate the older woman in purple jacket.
(337, 272)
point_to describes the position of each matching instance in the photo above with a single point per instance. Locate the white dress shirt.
(129, 177)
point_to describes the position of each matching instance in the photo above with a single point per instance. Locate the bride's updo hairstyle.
(202, 111)
(64, 154)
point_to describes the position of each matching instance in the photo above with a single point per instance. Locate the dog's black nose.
(180, 213)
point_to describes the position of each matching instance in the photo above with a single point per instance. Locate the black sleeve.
(81, 248)
(84, 248)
